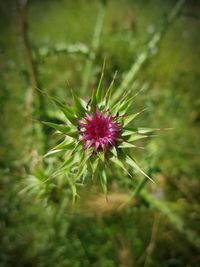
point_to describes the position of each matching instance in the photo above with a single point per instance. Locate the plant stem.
(33, 95)
(31, 67)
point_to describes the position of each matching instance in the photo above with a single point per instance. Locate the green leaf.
(136, 137)
(40, 175)
(115, 108)
(128, 119)
(137, 130)
(101, 155)
(76, 147)
(126, 145)
(126, 104)
(94, 164)
(93, 100)
(133, 164)
(51, 152)
(62, 128)
(82, 165)
(66, 165)
(109, 91)
(60, 147)
(68, 112)
(81, 170)
(59, 127)
(128, 101)
(78, 106)
(142, 130)
(99, 92)
(120, 164)
(65, 144)
(127, 132)
(114, 151)
(103, 179)
(74, 190)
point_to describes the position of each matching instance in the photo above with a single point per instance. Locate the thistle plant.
(96, 134)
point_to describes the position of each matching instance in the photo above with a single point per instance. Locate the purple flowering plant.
(97, 135)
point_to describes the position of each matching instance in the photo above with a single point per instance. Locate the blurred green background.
(55, 39)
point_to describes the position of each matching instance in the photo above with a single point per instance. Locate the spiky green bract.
(82, 161)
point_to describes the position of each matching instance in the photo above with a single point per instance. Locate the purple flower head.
(99, 131)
